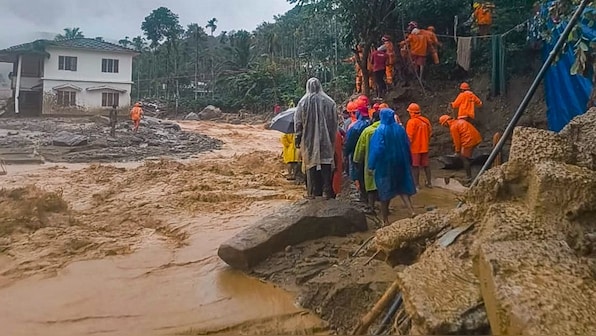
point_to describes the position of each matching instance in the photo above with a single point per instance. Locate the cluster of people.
(372, 146)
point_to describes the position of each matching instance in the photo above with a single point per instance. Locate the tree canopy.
(70, 33)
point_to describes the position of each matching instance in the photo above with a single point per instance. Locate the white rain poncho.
(315, 123)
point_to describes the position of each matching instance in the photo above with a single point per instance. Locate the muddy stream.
(135, 253)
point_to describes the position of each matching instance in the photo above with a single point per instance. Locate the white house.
(74, 76)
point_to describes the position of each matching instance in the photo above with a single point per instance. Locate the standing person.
(391, 59)
(361, 155)
(380, 61)
(357, 169)
(276, 109)
(315, 122)
(484, 17)
(390, 161)
(113, 120)
(291, 155)
(339, 163)
(419, 130)
(135, 115)
(466, 102)
(433, 43)
(465, 139)
(418, 46)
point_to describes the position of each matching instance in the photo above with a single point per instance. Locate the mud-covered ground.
(30, 139)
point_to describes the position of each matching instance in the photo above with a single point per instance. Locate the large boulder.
(537, 288)
(67, 139)
(210, 112)
(288, 226)
(191, 116)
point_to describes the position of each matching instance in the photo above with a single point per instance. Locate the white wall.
(88, 66)
(90, 100)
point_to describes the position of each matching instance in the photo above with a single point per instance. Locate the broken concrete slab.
(581, 131)
(291, 225)
(441, 293)
(67, 139)
(530, 145)
(548, 291)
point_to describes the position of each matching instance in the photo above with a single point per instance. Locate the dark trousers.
(319, 181)
(380, 81)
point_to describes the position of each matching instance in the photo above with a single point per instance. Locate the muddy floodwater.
(133, 251)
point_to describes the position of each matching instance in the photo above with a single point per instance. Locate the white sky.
(26, 20)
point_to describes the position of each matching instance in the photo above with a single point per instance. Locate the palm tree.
(125, 42)
(212, 25)
(70, 33)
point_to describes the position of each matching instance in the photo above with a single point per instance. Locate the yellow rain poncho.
(361, 154)
(315, 123)
(290, 153)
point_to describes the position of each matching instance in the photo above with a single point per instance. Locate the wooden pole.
(378, 308)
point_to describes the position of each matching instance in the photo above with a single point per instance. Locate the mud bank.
(35, 139)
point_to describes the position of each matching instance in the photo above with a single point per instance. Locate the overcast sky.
(26, 20)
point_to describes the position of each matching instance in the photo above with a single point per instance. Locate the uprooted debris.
(527, 264)
(88, 139)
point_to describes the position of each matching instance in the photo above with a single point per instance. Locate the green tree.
(70, 33)
(125, 42)
(212, 25)
(162, 24)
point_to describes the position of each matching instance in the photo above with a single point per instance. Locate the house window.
(109, 99)
(68, 63)
(66, 98)
(109, 65)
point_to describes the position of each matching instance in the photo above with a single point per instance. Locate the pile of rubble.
(519, 257)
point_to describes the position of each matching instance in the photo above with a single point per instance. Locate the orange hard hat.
(137, 104)
(431, 28)
(464, 86)
(382, 106)
(414, 108)
(351, 107)
(444, 119)
(362, 100)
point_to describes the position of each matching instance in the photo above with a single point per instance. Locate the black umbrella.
(284, 121)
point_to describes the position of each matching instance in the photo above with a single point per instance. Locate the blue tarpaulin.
(566, 95)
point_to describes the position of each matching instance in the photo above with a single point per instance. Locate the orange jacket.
(136, 113)
(464, 134)
(465, 103)
(433, 41)
(483, 16)
(419, 131)
(418, 44)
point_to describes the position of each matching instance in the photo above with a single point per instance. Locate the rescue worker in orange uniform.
(391, 59)
(357, 68)
(419, 130)
(433, 43)
(417, 44)
(465, 139)
(135, 115)
(371, 70)
(483, 17)
(466, 102)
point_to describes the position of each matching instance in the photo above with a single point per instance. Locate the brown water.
(158, 289)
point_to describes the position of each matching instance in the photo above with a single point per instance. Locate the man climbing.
(465, 139)
(417, 44)
(419, 130)
(433, 43)
(136, 114)
(357, 67)
(466, 103)
(391, 60)
(483, 17)
(380, 61)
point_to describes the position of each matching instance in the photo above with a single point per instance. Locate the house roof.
(39, 46)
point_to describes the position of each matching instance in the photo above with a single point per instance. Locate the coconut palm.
(212, 25)
(70, 33)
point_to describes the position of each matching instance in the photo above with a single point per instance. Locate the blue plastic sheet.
(566, 95)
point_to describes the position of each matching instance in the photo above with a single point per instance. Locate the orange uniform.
(483, 16)
(465, 136)
(418, 44)
(419, 130)
(466, 102)
(433, 44)
(135, 115)
(391, 60)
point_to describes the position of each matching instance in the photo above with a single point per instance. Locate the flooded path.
(158, 289)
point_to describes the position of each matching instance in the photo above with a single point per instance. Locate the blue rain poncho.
(351, 140)
(315, 123)
(390, 159)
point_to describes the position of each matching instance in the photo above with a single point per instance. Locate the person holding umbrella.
(315, 123)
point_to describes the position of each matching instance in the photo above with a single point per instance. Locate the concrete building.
(75, 76)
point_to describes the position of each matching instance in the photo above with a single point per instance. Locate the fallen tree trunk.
(378, 308)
